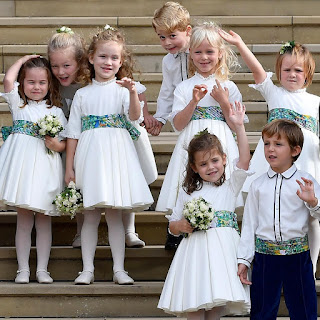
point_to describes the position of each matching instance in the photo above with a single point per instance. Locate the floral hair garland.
(108, 27)
(201, 133)
(65, 29)
(287, 47)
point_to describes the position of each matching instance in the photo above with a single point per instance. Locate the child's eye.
(43, 82)
(54, 67)
(66, 65)
(172, 35)
(162, 37)
(266, 143)
(115, 58)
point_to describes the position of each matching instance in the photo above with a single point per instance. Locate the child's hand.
(127, 83)
(199, 91)
(184, 226)
(236, 114)
(28, 57)
(243, 273)
(53, 144)
(221, 95)
(306, 192)
(155, 130)
(231, 37)
(149, 121)
(69, 176)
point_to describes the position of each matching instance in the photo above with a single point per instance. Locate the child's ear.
(90, 58)
(193, 167)
(295, 151)
(224, 159)
(189, 30)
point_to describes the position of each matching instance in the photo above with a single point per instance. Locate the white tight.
(89, 238)
(25, 221)
(213, 314)
(314, 241)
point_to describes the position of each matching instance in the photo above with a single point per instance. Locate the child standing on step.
(275, 229)
(101, 156)
(201, 102)
(294, 68)
(30, 177)
(202, 280)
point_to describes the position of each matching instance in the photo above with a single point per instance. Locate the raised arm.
(248, 57)
(70, 151)
(12, 73)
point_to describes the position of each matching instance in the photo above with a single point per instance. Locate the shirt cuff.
(245, 262)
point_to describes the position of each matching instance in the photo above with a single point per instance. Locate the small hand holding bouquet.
(199, 213)
(50, 126)
(69, 201)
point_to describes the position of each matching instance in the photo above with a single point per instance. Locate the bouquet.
(50, 126)
(199, 213)
(69, 201)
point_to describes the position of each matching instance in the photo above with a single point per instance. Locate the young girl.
(200, 102)
(30, 178)
(69, 63)
(101, 156)
(294, 68)
(202, 279)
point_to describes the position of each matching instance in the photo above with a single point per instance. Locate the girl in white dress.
(101, 156)
(30, 178)
(200, 102)
(294, 68)
(202, 280)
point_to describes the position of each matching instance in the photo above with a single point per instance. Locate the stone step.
(149, 57)
(138, 30)
(101, 299)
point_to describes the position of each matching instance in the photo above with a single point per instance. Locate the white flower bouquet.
(199, 213)
(50, 125)
(69, 201)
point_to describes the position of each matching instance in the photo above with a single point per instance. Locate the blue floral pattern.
(224, 218)
(109, 121)
(23, 127)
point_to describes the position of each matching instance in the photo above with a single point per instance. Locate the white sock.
(80, 219)
(116, 238)
(215, 313)
(196, 315)
(43, 240)
(25, 220)
(314, 241)
(128, 222)
(89, 238)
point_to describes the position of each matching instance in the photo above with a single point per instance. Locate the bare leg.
(197, 315)
(215, 313)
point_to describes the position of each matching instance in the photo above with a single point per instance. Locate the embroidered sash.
(109, 121)
(225, 218)
(212, 112)
(23, 127)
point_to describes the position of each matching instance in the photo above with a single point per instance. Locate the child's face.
(64, 66)
(177, 41)
(209, 165)
(106, 60)
(292, 73)
(205, 58)
(36, 84)
(278, 152)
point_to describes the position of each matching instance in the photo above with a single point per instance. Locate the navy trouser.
(294, 274)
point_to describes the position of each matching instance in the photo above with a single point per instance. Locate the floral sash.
(212, 112)
(305, 121)
(283, 248)
(23, 127)
(109, 121)
(225, 218)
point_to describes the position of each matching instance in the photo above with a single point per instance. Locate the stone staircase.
(25, 27)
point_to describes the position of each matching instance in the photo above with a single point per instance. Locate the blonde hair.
(61, 41)
(170, 17)
(228, 63)
(113, 34)
(302, 54)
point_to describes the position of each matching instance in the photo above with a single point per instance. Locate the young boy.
(275, 227)
(172, 24)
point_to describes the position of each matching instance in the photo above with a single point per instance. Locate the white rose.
(42, 132)
(203, 207)
(71, 184)
(54, 130)
(49, 118)
(190, 206)
(48, 127)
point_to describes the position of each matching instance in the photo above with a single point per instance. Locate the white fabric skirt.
(203, 275)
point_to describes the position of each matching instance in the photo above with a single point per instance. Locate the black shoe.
(172, 242)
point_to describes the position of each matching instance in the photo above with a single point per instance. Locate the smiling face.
(35, 83)
(176, 41)
(205, 58)
(292, 75)
(64, 66)
(106, 60)
(278, 152)
(209, 165)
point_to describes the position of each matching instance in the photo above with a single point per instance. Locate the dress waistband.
(283, 248)
(109, 121)
(225, 218)
(23, 127)
(305, 121)
(212, 112)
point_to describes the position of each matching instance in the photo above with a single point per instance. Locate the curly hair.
(52, 97)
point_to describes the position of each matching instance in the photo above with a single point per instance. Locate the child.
(294, 68)
(30, 178)
(202, 279)
(172, 24)
(200, 102)
(105, 165)
(275, 226)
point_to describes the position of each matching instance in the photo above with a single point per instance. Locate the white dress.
(302, 103)
(203, 272)
(30, 178)
(107, 168)
(176, 168)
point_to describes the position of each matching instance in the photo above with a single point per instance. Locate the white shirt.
(174, 71)
(274, 212)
